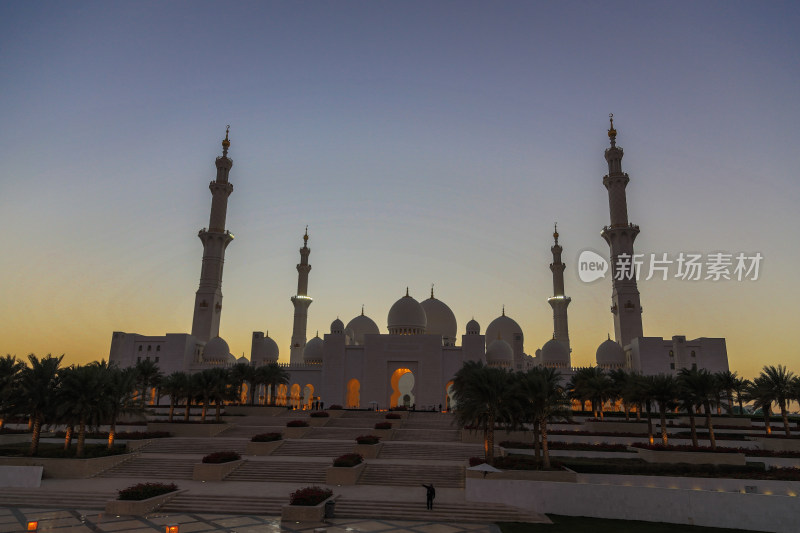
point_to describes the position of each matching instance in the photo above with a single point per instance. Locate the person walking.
(431, 494)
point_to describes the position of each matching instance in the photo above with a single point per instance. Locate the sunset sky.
(421, 142)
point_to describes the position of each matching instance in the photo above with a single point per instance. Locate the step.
(450, 452)
(207, 503)
(412, 475)
(152, 467)
(280, 471)
(336, 433)
(24, 497)
(200, 445)
(427, 435)
(314, 448)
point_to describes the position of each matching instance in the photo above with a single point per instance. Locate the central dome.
(441, 320)
(216, 350)
(505, 328)
(407, 317)
(360, 326)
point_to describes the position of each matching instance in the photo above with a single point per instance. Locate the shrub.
(142, 491)
(400, 408)
(348, 460)
(266, 437)
(475, 461)
(319, 414)
(393, 416)
(310, 496)
(368, 439)
(221, 457)
(297, 424)
(335, 407)
(383, 425)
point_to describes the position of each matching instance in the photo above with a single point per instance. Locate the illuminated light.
(33, 525)
(172, 529)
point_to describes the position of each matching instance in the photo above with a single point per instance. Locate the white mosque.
(356, 365)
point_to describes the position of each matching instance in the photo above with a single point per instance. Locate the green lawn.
(581, 524)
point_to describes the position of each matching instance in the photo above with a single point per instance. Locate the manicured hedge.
(348, 460)
(319, 414)
(383, 425)
(142, 491)
(266, 437)
(297, 424)
(221, 457)
(309, 496)
(368, 439)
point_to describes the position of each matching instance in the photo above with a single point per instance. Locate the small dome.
(504, 327)
(499, 353)
(312, 353)
(473, 328)
(243, 361)
(217, 350)
(440, 320)
(610, 354)
(337, 327)
(360, 326)
(554, 352)
(407, 317)
(231, 359)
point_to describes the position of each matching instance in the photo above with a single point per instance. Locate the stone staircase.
(336, 433)
(412, 475)
(427, 435)
(201, 446)
(351, 423)
(280, 471)
(430, 421)
(444, 512)
(23, 497)
(153, 468)
(370, 415)
(218, 503)
(247, 432)
(314, 448)
(432, 452)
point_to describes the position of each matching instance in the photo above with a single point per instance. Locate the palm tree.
(202, 384)
(38, 384)
(147, 376)
(727, 382)
(175, 386)
(600, 389)
(482, 395)
(118, 396)
(779, 381)
(645, 387)
(543, 396)
(762, 396)
(80, 396)
(10, 369)
(220, 389)
(577, 385)
(239, 374)
(664, 389)
(702, 385)
(688, 400)
(624, 388)
(273, 376)
(740, 388)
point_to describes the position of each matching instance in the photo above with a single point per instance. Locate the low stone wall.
(262, 448)
(469, 436)
(700, 420)
(138, 507)
(304, 513)
(756, 486)
(214, 471)
(20, 476)
(573, 453)
(368, 451)
(15, 438)
(340, 475)
(615, 427)
(775, 462)
(778, 444)
(295, 433)
(188, 430)
(563, 476)
(254, 410)
(68, 468)
(694, 458)
(738, 510)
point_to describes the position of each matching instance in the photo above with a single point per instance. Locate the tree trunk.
(639, 413)
(594, 408)
(537, 450)
(741, 407)
(171, 407)
(627, 411)
(545, 450)
(693, 424)
(217, 413)
(204, 411)
(649, 423)
(490, 441)
(767, 414)
(710, 426)
(663, 410)
(37, 432)
(30, 423)
(81, 437)
(252, 390)
(188, 407)
(782, 405)
(112, 431)
(68, 437)
(730, 402)
(2, 423)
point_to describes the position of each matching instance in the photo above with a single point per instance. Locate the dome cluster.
(441, 320)
(264, 350)
(407, 317)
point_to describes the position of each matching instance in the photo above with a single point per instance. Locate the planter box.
(778, 444)
(262, 448)
(214, 471)
(403, 415)
(344, 475)
(188, 430)
(295, 433)
(254, 410)
(615, 427)
(138, 507)
(304, 513)
(694, 458)
(368, 451)
(561, 476)
(68, 468)
(700, 420)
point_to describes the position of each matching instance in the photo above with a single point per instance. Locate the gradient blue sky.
(422, 142)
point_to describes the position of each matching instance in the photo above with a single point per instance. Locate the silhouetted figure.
(431, 494)
(321, 405)
(440, 408)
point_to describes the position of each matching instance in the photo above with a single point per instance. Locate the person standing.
(431, 494)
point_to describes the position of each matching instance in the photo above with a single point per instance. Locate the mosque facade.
(356, 365)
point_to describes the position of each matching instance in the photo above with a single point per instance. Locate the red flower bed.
(142, 491)
(266, 437)
(310, 496)
(335, 407)
(475, 461)
(393, 416)
(319, 414)
(221, 457)
(348, 460)
(368, 439)
(296, 424)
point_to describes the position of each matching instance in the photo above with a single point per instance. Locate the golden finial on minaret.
(362, 309)
(555, 232)
(612, 133)
(226, 143)
(504, 309)
(432, 291)
(305, 237)
(407, 292)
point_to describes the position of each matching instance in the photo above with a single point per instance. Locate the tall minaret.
(558, 301)
(620, 235)
(301, 302)
(208, 302)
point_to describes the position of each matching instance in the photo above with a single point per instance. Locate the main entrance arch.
(402, 382)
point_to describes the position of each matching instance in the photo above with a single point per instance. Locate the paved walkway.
(15, 519)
